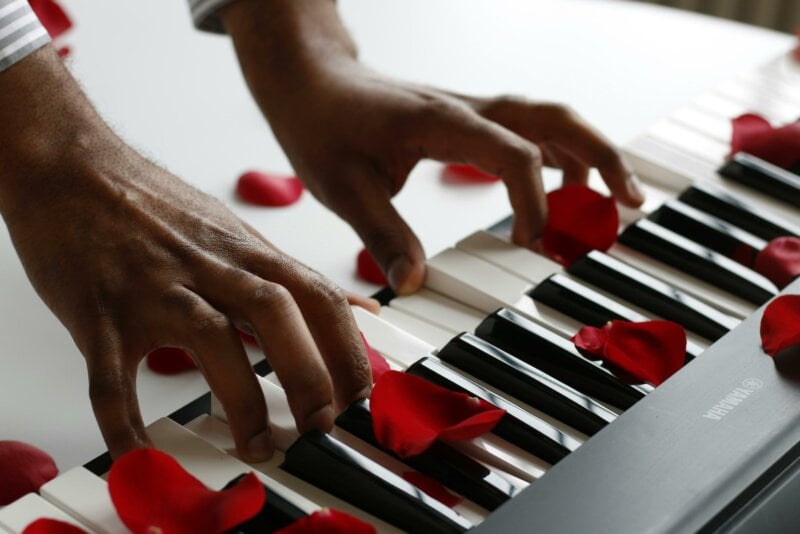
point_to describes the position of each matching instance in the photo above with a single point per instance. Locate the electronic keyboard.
(714, 448)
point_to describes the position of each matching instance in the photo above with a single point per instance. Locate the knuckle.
(326, 291)
(525, 155)
(269, 295)
(204, 320)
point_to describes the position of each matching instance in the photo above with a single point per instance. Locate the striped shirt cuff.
(21, 33)
(205, 14)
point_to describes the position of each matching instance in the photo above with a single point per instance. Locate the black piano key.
(762, 176)
(528, 384)
(325, 462)
(277, 512)
(586, 305)
(544, 349)
(706, 230)
(517, 426)
(652, 294)
(675, 250)
(718, 202)
(450, 467)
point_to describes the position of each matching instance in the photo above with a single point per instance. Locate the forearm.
(287, 46)
(47, 125)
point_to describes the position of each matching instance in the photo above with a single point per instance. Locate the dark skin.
(131, 258)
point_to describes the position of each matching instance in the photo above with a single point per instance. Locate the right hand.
(130, 258)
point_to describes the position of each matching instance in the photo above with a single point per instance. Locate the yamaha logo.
(734, 398)
(753, 383)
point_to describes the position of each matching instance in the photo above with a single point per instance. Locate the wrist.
(287, 47)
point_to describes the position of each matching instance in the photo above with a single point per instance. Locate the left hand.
(354, 135)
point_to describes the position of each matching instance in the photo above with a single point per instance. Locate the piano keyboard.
(579, 449)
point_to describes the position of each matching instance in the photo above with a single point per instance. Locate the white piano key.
(516, 260)
(85, 496)
(724, 108)
(422, 329)
(670, 168)
(212, 466)
(218, 434)
(495, 451)
(690, 141)
(767, 82)
(758, 101)
(700, 121)
(25, 510)
(442, 311)
(486, 287)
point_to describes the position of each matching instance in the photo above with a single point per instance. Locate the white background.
(177, 95)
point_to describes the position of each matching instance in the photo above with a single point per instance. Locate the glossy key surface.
(336, 468)
(450, 467)
(517, 426)
(589, 306)
(762, 176)
(558, 357)
(707, 230)
(651, 293)
(669, 247)
(525, 382)
(716, 201)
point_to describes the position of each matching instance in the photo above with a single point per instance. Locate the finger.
(558, 125)
(574, 171)
(326, 312)
(462, 135)
(112, 391)
(277, 322)
(213, 340)
(368, 303)
(367, 207)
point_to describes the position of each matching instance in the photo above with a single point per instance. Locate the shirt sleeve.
(205, 14)
(21, 33)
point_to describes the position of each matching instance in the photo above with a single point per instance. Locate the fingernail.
(260, 447)
(321, 420)
(403, 276)
(635, 188)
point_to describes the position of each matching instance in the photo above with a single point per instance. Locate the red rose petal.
(368, 270)
(52, 16)
(153, 493)
(651, 351)
(780, 260)
(467, 174)
(755, 135)
(170, 361)
(52, 526)
(377, 362)
(410, 413)
(249, 339)
(23, 469)
(579, 220)
(744, 254)
(328, 521)
(264, 189)
(432, 487)
(779, 324)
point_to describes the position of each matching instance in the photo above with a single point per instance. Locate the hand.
(354, 135)
(130, 258)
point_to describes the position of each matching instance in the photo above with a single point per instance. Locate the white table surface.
(177, 95)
